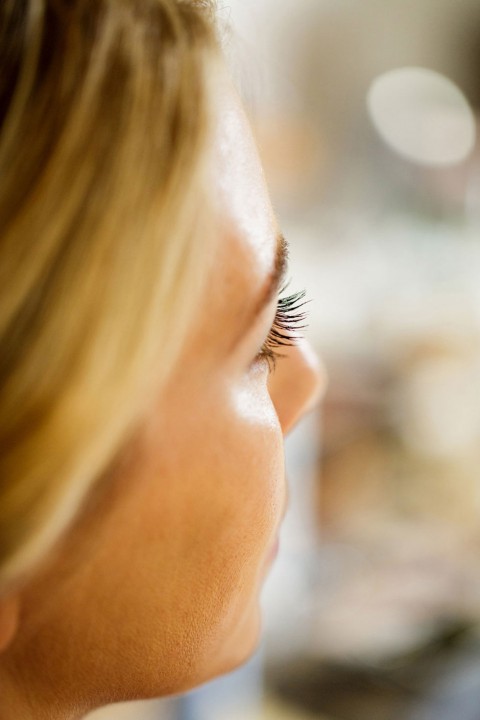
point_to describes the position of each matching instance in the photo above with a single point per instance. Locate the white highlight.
(423, 116)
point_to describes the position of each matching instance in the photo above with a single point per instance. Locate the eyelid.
(289, 319)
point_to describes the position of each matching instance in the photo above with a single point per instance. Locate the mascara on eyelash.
(287, 321)
(288, 318)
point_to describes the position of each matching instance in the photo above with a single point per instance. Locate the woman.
(142, 410)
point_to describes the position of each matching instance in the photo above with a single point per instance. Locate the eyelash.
(288, 319)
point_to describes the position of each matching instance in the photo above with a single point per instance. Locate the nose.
(298, 383)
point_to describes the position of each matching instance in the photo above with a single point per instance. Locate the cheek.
(179, 552)
(222, 480)
(221, 495)
(243, 508)
(256, 443)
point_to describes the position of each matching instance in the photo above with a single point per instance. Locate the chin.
(236, 646)
(241, 643)
(230, 649)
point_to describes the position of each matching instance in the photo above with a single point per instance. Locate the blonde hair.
(104, 241)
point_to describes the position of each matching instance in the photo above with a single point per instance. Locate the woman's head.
(142, 483)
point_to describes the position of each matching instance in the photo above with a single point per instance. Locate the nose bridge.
(297, 384)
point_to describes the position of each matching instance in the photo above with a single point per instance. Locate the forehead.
(243, 203)
(246, 252)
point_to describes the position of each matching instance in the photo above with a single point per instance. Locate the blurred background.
(366, 114)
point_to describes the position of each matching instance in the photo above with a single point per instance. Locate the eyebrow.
(272, 286)
(275, 279)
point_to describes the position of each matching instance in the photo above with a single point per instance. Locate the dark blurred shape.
(439, 681)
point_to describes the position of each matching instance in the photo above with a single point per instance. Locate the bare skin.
(158, 589)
